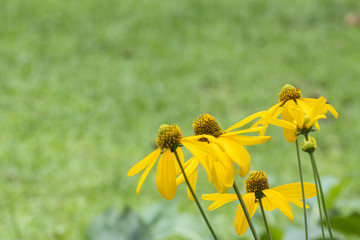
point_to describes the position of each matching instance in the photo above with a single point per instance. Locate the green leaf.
(348, 225)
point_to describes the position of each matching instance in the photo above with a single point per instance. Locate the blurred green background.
(84, 86)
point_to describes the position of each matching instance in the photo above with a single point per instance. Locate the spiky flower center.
(257, 180)
(206, 124)
(168, 136)
(289, 92)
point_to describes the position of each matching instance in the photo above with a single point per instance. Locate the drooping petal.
(278, 201)
(306, 104)
(332, 110)
(313, 121)
(290, 134)
(198, 149)
(246, 120)
(267, 204)
(298, 115)
(250, 140)
(248, 130)
(144, 175)
(138, 167)
(219, 198)
(241, 223)
(181, 157)
(269, 114)
(166, 175)
(298, 203)
(282, 123)
(192, 179)
(223, 173)
(190, 166)
(293, 190)
(238, 154)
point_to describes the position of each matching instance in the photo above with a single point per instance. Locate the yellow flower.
(301, 122)
(168, 140)
(229, 148)
(290, 97)
(257, 186)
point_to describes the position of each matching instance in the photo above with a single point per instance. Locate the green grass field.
(85, 85)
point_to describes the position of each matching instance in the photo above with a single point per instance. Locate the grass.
(84, 86)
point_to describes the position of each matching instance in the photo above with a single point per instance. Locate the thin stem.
(193, 194)
(318, 200)
(302, 189)
(245, 211)
(264, 217)
(321, 195)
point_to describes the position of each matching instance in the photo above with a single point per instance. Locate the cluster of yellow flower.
(218, 151)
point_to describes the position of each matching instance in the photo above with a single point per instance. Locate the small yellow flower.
(168, 140)
(290, 97)
(229, 148)
(257, 186)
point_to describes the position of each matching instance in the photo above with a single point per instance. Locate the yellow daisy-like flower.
(168, 141)
(257, 186)
(291, 97)
(301, 122)
(229, 148)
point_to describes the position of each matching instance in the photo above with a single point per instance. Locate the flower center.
(257, 180)
(289, 92)
(206, 124)
(168, 136)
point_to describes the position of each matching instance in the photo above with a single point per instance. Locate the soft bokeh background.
(84, 86)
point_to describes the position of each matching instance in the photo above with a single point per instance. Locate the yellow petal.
(298, 115)
(290, 134)
(246, 120)
(181, 157)
(166, 176)
(249, 140)
(190, 166)
(219, 198)
(313, 121)
(223, 174)
(238, 154)
(248, 130)
(298, 203)
(192, 179)
(198, 149)
(293, 190)
(144, 175)
(241, 223)
(332, 110)
(138, 167)
(277, 200)
(269, 114)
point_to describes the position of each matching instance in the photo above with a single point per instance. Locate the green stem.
(245, 211)
(193, 194)
(321, 195)
(264, 217)
(318, 200)
(302, 189)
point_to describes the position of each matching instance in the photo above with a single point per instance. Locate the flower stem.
(316, 172)
(193, 194)
(264, 217)
(302, 189)
(248, 218)
(318, 200)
